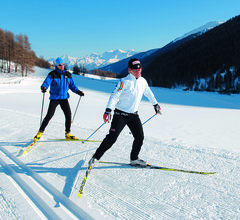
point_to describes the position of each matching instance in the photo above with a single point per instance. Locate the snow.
(95, 60)
(202, 29)
(197, 131)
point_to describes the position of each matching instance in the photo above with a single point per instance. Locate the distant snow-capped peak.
(201, 29)
(95, 60)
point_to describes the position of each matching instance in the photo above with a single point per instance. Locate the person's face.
(61, 66)
(135, 72)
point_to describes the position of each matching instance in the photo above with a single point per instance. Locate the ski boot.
(138, 162)
(39, 134)
(69, 136)
(91, 162)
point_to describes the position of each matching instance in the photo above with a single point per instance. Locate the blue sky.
(79, 28)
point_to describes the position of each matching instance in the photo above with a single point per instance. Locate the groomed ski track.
(42, 195)
(111, 191)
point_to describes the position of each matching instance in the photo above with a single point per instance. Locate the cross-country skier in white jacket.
(125, 100)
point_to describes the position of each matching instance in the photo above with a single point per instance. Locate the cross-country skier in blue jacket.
(60, 81)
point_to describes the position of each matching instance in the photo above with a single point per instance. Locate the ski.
(160, 168)
(80, 192)
(81, 140)
(29, 148)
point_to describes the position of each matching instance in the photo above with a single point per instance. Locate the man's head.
(135, 67)
(59, 63)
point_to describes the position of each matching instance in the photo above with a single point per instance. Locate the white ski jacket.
(128, 94)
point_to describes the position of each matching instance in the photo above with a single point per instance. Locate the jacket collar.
(132, 77)
(59, 71)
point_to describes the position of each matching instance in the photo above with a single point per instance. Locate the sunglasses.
(61, 65)
(136, 70)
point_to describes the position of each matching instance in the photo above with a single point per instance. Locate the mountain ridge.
(94, 60)
(116, 60)
(120, 67)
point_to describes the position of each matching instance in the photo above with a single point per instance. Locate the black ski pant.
(120, 120)
(51, 110)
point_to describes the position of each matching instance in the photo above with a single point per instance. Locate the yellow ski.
(28, 148)
(161, 168)
(80, 192)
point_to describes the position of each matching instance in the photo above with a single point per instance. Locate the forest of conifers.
(16, 54)
(209, 62)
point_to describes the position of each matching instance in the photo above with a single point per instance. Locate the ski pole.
(94, 132)
(146, 121)
(149, 119)
(42, 108)
(76, 108)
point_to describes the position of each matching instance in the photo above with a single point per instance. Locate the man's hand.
(157, 108)
(107, 115)
(81, 93)
(43, 89)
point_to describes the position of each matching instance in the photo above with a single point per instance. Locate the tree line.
(79, 69)
(16, 54)
(103, 73)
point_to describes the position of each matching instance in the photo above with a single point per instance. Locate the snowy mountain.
(148, 56)
(120, 66)
(115, 60)
(202, 29)
(95, 60)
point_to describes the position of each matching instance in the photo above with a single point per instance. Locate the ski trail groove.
(132, 209)
(167, 208)
(69, 208)
(37, 200)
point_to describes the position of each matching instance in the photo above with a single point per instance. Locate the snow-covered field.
(197, 131)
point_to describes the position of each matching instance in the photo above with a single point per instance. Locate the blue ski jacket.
(60, 82)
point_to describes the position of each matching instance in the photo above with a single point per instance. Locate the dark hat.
(134, 63)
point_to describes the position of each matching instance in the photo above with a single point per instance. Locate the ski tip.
(24, 152)
(206, 173)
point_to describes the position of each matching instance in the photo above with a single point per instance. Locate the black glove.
(43, 89)
(79, 92)
(157, 108)
(107, 115)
